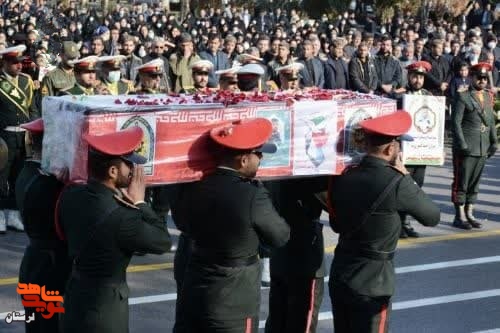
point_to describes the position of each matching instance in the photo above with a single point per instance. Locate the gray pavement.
(460, 292)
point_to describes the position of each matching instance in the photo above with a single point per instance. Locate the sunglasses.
(259, 154)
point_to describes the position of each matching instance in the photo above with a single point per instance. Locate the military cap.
(394, 125)
(85, 64)
(246, 58)
(481, 69)
(228, 74)
(112, 62)
(245, 134)
(201, 66)
(120, 144)
(14, 53)
(291, 71)
(70, 50)
(419, 67)
(251, 70)
(35, 126)
(152, 67)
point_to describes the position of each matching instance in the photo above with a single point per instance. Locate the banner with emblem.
(176, 142)
(428, 115)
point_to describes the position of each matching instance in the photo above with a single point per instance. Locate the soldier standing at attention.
(365, 203)
(63, 76)
(228, 80)
(45, 261)
(16, 101)
(150, 75)
(200, 69)
(289, 76)
(110, 76)
(234, 212)
(416, 77)
(104, 222)
(474, 140)
(85, 76)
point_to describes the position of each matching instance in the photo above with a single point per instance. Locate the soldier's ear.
(113, 172)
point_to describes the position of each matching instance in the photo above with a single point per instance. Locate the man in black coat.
(45, 261)
(105, 221)
(233, 214)
(389, 72)
(364, 206)
(362, 72)
(336, 70)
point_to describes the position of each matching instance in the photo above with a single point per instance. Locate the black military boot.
(460, 220)
(469, 214)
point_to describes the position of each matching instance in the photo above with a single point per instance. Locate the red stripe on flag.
(248, 327)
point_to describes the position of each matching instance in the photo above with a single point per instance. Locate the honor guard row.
(18, 107)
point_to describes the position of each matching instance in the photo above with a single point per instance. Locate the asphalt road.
(447, 281)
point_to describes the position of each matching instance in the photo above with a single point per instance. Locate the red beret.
(482, 68)
(422, 67)
(394, 124)
(244, 134)
(121, 143)
(35, 126)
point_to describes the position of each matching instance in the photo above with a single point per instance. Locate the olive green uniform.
(16, 102)
(103, 231)
(77, 90)
(57, 80)
(362, 277)
(474, 135)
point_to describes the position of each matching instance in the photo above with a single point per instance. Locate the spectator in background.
(181, 62)
(460, 81)
(218, 58)
(157, 51)
(438, 78)
(362, 71)
(336, 69)
(388, 69)
(131, 62)
(313, 73)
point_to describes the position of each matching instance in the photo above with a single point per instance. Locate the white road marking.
(494, 330)
(327, 315)
(396, 306)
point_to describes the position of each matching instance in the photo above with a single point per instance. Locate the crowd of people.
(143, 49)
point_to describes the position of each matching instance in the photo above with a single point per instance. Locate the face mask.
(114, 76)
(194, 32)
(10, 32)
(91, 19)
(79, 26)
(142, 53)
(447, 49)
(382, 30)
(151, 35)
(122, 14)
(492, 45)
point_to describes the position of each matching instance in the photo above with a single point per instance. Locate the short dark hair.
(99, 164)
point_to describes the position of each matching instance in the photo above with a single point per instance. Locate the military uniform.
(118, 88)
(77, 89)
(45, 261)
(16, 97)
(57, 80)
(297, 269)
(103, 230)
(61, 78)
(362, 276)
(221, 290)
(474, 140)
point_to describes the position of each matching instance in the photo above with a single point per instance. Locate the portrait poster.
(427, 130)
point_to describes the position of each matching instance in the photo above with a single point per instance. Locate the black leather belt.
(47, 244)
(369, 254)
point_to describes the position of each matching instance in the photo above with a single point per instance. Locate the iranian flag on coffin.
(309, 134)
